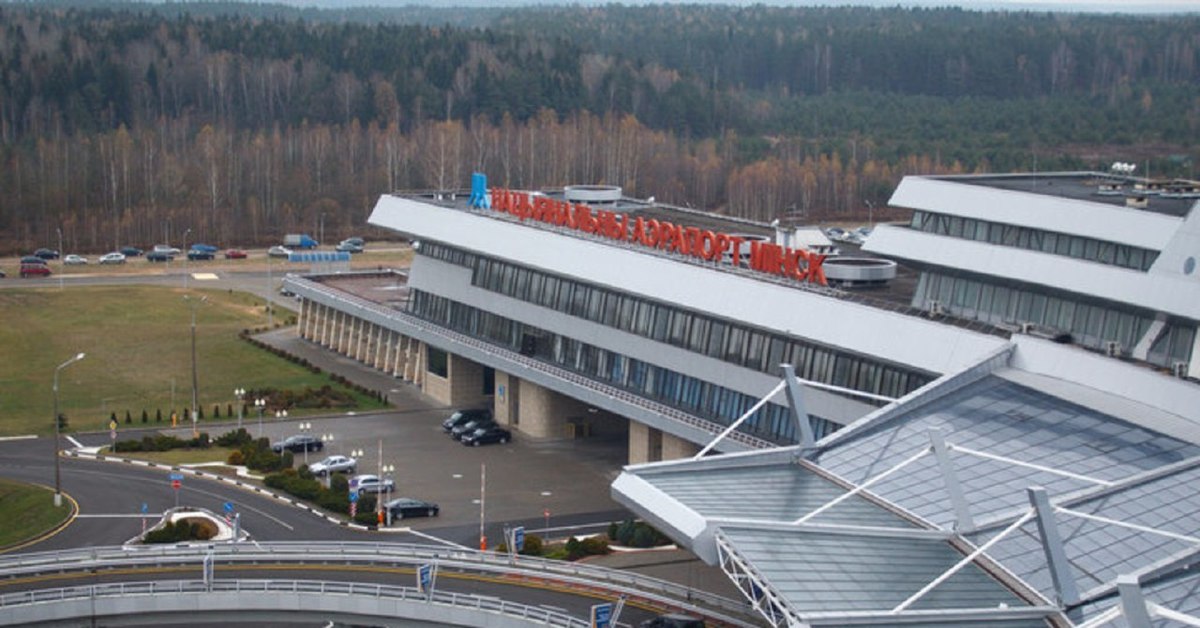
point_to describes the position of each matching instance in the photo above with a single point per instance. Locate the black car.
(463, 416)
(32, 259)
(402, 507)
(199, 254)
(159, 256)
(130, 251)
(470, 426)
(298, 443)
(484, 435)
(46, 253)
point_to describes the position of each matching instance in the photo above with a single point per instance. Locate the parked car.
(356, 241)
(235, 254)
(333, 464)
(673, 620)
(298, 443)
(485, 435)
(207, 248)
(75, 260)
(279, 251)
(2, 275)
(35, 270)
(46, 253)
(130, 251)
(159, 256)
(166, 248)
(198, 255)
(349, 247)
(112, 258)
(462, 416)
(371, 484)
(402, 507)
(470, 426)
(32, 259)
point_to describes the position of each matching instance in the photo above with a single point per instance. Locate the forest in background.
(128, 123)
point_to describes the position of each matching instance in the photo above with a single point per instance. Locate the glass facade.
(1052, 242)
(1091, 323)
(724, 340)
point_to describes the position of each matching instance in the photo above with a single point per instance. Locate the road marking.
(26, 437)
(75, 442)
(430, 537)
(205, 276)
(116, 516)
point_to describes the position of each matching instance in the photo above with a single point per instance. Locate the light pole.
(357, 454)
(195, 381)
(388, 470)
(328, 440)
(870, 213)
(57, 429)
(240, 393)
(270, 286)
(260, 404)
(185, 258)
(62, 265)
(304, 428)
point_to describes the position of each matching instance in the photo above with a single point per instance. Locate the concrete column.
(645, 443)
(547, 414)
(361, 340)
(674, 448)
(343, 332)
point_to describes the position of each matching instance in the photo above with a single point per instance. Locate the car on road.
(333, 464)
(46, 253)
(199, 255)
(166, 248)
(235, 254)
(159, 256)
(279, 251)
(112, 258)
(349, 247)
(35, 270)
(470, 426)
(75, 260)
(402, 507)
(673, 620)
(356, 241)
(298, 443)
(485, 435)
(130, 251)
(462, 416)
(207, 248)
(371, 484)
(32, 259)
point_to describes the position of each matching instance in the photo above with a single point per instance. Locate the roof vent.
(592, 193)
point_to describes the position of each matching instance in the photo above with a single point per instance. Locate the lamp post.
(195, 381)
(62, 266)
(870, 213)
(357, 454)
(57, 429)
(185, 258)
(388, 470)
(328, 439)
(270, 301)
(304, 428)
(260, 404)
(240, 393)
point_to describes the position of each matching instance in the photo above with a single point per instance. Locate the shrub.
(216, 411)
(128, 418)
(612, 531)
(235, 458)
(593, 546)
(145, 416)
(339, 484)
(533, 545)
(158, 415)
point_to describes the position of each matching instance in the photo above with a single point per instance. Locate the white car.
(166, 248)
(333, 464)
(74, 260)
(112, 258)
(279, 251)
(371, 484)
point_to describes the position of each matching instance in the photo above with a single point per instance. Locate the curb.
(235, 482)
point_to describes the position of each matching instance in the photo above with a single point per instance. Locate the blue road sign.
(425, 578)
(602, 616)
(176, 476)
(228, 506)
(353, 496)
(519, 538)
(145, 508)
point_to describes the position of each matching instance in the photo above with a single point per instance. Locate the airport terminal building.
(1007, 433)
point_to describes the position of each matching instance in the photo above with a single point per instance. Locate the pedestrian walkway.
(400, 394)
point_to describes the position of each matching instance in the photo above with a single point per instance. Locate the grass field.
(27, 510)
(138, 345)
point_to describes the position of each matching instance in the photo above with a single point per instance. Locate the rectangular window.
(436, 361)
(716, 339)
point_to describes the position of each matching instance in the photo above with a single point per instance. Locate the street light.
(328, 440)
(260, 404)
(195, 382)
(304, 428)
(386, 470)
(57, 429)
(239, 393)
(62, 261)
(357, 454)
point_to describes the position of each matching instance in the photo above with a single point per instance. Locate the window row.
(1090, 323)
(717, 338)
(710, 401)
(1067, 245)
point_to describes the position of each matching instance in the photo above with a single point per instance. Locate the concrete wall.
(466, 384)
(544, 413)
(674, 448)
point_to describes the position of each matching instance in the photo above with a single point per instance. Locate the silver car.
(333, 464)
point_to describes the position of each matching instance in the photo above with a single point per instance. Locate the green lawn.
(27, 511)
(138, 345)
